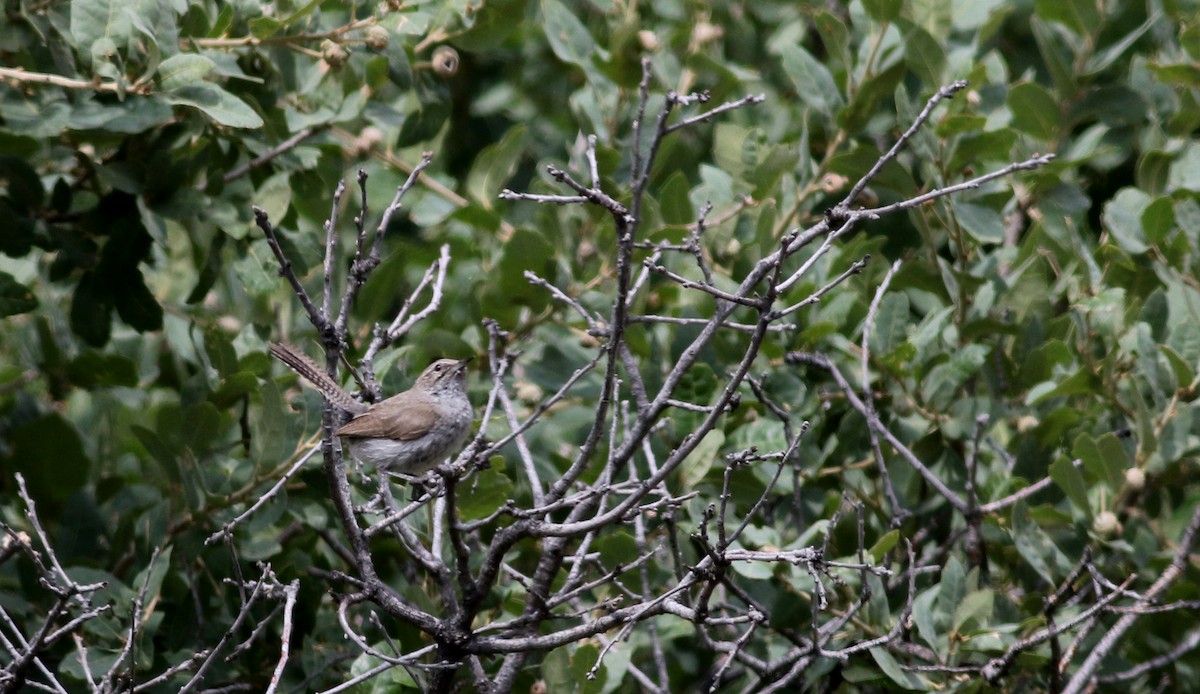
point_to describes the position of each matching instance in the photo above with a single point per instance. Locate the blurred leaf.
(50, 453)
(15, 297)
(891, 323)
(673, 200)
(234, 388)
(162, 452)
(887, 663)
(525, 250)
(1068, 478)
(1105, 57)
(984, 224)
(91, 311)
(24, 187)
(1123, 219)
(944, 379)
(568, 37)
(92, 368)
(1081, 16)
(583, 660)
(1103, 457)
(495, 165)
(974, 611)
(1033, 544)
(216, 103)
(812, 80)
(136, 305)
(483, 494)
(702, 457)
(617, 549)
(924, 56)
(952, 589)
(127, 117)
(1179, 74)
(1035, 111)
(183, 69)
(265, 26)
(883, 10)
(884, 545)
(1184, 172)
(494, 22)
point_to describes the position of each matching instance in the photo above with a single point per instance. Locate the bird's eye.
(437, 367)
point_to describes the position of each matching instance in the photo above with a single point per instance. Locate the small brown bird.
(410, 432)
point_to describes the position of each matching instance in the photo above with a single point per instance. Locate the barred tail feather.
(301, 364)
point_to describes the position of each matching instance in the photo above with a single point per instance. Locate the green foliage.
(1060, 304)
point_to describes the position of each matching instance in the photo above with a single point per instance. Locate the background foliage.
(137, 399)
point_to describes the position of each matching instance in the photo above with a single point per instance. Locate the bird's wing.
(394, 418)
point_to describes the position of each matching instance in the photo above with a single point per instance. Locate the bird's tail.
(301, 364)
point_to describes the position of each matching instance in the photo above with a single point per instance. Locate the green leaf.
(1158, 219)
(1178, 74)
(883, 10)
(399, 70)
(1080, 16)
(887, 663)
(813, 82)
(1103, 457)
(1082, 382)
(93, 20)
(92, 368)
(492, 23)
(91, 311)
(953, 587)
(702, 457)
(1108, 55)
(495, 165)
(49, 452)
(673, 201)
(183, 69)
(265, 26)
(974, 611)
(923, 615)
(568, 37)
(891, 323)
(617, 549)
(983, 223)
(150, 579)
(127, 117)
(1035, 111)
(924, 56)
(1067, 476)
(485, 493)
(991, 146)
(233, 388)
(136, 305)
(274, 195)
(884, 545)
(1122, 217)
(1034, 546)
(24, 188)
(424, 124)
(210, 268)
(162, 452)
(526, 250)
(1184, 172)
(583, 660)
(945, 379)
(15, 297)
(216, 103)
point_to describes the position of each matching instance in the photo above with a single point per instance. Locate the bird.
(409, 433)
